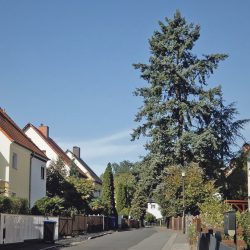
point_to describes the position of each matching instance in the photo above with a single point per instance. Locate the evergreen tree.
(121, 197)
(107, 195)
(124, 182)
(180, 114)
(139, 205)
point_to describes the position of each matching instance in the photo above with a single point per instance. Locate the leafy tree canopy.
(169, 193)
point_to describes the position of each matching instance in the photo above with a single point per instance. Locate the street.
(142, 239)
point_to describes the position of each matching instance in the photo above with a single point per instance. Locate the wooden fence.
(175, 223)
(80, 224)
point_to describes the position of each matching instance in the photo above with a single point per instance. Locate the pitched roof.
(51, 143)
(86, 166)
(15, 134)
(54, 147)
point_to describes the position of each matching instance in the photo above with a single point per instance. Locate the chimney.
(44, 130)
(76, 151)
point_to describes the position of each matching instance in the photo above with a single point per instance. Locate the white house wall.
(4, 157)
(43, 145)
(154, 209)
(38, 185)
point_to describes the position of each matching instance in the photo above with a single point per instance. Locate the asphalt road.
(142, 239)
(158, 238)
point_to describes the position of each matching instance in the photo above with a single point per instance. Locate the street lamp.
(183, 174)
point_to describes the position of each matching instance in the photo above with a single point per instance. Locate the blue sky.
(68, 64)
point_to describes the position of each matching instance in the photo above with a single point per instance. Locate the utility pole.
(248, 178)
(183, 174)
(246, 149)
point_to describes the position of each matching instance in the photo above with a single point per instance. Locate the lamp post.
(183, 174)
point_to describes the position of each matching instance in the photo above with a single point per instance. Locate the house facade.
(40, 136)
(21, 163)
(154, 208)
(75, 156)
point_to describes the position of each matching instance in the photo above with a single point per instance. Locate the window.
(152, 206)
(14, 160)
(42, 173)
(13, 194)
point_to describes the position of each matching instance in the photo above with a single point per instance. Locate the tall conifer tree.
(180, 114)
(107, 195)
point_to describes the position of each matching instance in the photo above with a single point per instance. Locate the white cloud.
(113, 148)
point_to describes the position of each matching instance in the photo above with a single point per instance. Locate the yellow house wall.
(4, 157)
(19, 178)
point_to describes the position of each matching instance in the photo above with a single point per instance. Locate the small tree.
(120, 197)
(150, 218)
(169, 193)
(73, 169)
(212, 212)
(56, 174)
(139, 205)
(96, 206)
(107, 196)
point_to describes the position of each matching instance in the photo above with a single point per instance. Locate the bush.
(212, 212)
(244, 222)
(150, 218)
(13, 205)
(192, 235)
(49, 206)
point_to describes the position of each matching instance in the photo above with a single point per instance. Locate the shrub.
(192, 235)
(150, 218)
(244, 222)
(13, 205)
(48, 206)
(212, 212)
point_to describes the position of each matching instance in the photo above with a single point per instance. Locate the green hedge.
(13, 205)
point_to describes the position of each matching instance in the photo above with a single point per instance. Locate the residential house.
(154, 208)
(81, 164)
(22, 163)
(40, 136)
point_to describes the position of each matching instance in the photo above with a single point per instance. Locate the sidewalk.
(163, 239)
(177, 241)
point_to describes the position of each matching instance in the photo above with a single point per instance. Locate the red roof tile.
(15, 134)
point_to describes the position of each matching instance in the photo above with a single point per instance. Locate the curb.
(97, 236)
